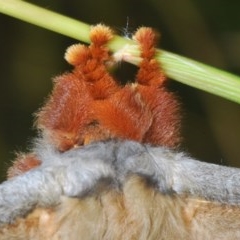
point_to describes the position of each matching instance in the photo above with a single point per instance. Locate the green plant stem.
(201, 76)
(46, 19)
(182, 69)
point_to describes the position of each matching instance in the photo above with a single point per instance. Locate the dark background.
(207, 31)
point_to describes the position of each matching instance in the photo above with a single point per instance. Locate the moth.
(106, 165)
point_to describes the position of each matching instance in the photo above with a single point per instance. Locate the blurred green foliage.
(207, 31)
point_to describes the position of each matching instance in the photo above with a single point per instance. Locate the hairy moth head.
(88, 104)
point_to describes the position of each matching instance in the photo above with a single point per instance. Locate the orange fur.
(88, 105)
(66, 113)
(23, 163)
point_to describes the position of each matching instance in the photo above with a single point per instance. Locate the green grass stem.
(179, 68)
